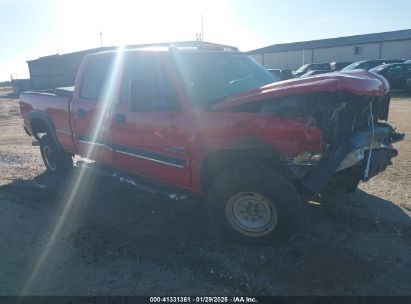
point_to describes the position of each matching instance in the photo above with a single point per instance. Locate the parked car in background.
(276, 73)
(314, 72)
(397, 74)
(369, 64)
(281, 74)
(312, 66)
(336, 66)
(287, 74)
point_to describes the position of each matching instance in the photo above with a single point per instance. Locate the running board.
(141, 183)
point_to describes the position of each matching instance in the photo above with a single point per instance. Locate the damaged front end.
(356, 140)
(359, 156)
(347, 113)
(357, 143)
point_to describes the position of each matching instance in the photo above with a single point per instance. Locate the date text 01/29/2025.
(203, 300)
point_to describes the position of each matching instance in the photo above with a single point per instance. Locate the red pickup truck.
(208, 121)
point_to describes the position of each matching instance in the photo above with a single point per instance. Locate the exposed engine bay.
(335, 114)
(357, 141)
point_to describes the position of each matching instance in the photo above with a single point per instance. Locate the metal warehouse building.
(56, 70)
(387, 45)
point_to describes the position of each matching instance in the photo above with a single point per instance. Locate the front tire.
(255, 206)
(56, 160)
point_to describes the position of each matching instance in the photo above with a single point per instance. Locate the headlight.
(307, 158)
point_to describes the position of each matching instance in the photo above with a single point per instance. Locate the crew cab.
(209, 122)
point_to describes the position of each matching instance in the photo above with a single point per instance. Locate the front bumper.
(348, 154)
(380, 159)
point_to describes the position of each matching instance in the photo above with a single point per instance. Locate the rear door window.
(95, 78)
(148, 67)
(394, 70)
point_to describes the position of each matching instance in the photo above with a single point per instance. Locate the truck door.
(152, 142)
(90, 110)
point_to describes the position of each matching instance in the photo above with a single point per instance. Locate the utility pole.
(202, 27)
(303, 56)
(101, 39)
(200, 36)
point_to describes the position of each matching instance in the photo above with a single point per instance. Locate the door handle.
(120, 118)
(80, 113)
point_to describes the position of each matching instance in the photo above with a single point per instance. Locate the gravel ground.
(110, 240)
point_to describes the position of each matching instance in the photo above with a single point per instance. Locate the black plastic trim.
(317, 179)
(136, 152)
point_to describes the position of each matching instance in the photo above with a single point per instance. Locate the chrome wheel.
(251, 213)
(50, 158)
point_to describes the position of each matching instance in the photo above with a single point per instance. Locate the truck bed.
(60, 91)
(53, 104)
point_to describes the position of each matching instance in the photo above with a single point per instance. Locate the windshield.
(352, 66)
(321, 66)
(302, 68)
(212, 77)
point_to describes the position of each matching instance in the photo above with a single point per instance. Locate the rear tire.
(57, 161)
(256, 206)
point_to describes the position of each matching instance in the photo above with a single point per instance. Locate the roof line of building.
(338, 41)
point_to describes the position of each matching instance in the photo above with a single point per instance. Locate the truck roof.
(174, 46)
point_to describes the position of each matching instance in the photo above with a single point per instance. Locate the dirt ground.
(109, 240)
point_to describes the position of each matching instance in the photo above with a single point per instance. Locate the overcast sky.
(30, 28)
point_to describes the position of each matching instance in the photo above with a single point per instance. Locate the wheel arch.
(219, 161)
(40, 122)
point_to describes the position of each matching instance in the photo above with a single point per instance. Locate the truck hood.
(358, 82)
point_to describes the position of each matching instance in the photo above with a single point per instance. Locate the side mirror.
(141, 95)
